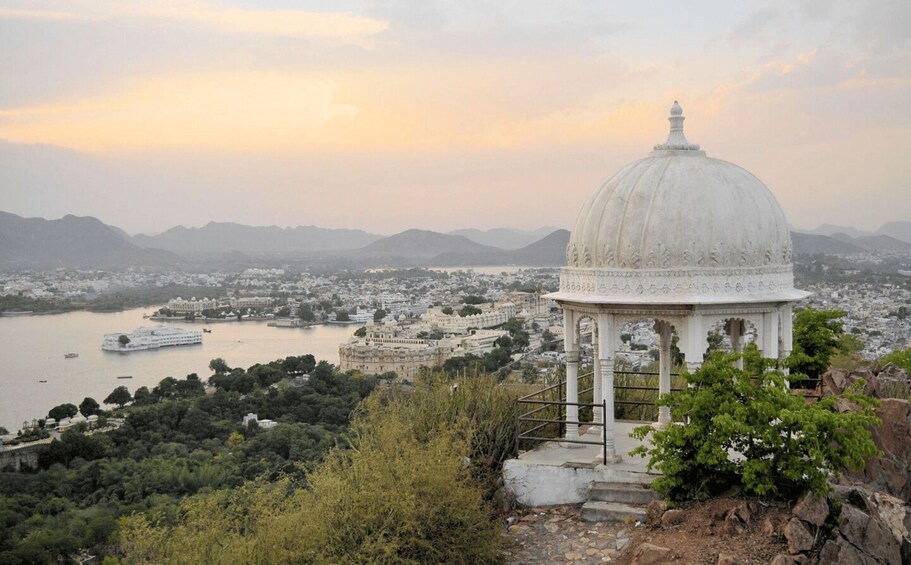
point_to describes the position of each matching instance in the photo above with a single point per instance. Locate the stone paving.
(558, 535)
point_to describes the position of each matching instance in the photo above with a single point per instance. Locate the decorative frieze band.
(733, 282)
(578, 254)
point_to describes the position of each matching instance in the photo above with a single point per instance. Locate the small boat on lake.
(125, 377)
(207, 330)
(42, 381)
(70, 355)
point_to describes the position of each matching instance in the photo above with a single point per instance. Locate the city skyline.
(440, 116)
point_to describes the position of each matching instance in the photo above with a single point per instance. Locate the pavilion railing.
(541, 415)
(545, 412)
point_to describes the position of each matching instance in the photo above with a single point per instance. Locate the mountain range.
(899, 230)
(505, 238)
(221, 238)
(71, 241)
(87, 242)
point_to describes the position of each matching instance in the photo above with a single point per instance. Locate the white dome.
(680, 227)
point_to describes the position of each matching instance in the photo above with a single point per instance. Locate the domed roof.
(677, 226)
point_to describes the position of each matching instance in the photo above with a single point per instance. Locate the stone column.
(770, 335)
(664, 369)
(606, 361)
(571, 347)
(597, 395)
(696, 342)
(786, 337)
(735, 332)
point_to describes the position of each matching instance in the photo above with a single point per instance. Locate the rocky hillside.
(224, 238)
(71, 241)
(421, 244)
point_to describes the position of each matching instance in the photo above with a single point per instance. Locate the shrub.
(401, 492)
(900, 358)
(745, 429)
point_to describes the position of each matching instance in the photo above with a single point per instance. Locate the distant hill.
(898, 230)
(421, 244)
(71, 241)
(230, 238)
(831, 229)
(549, 251)
(809, 244)
(874, 242)
(505, 238)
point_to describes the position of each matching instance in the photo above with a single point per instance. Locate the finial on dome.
(675, 138)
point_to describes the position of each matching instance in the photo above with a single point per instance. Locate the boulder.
(799, 536)
(869, 535)
(649, 554)
(840, 551)
(812, 509)
(654, 511)
(737, 519)
(673, 517)
(726, 559)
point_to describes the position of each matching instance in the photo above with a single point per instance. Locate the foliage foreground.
(745, 430)
(409, 488)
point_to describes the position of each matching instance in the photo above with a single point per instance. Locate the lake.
(32, 349)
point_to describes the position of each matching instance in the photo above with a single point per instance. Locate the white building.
(687, 242)
(180, 306)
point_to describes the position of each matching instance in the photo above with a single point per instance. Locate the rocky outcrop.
(889, 381)
(890, 472)
(868, 527)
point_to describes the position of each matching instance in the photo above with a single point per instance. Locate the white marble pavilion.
(687, 241)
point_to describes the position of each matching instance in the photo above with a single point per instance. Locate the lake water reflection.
(32, 349)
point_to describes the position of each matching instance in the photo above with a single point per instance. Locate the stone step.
(598, 511)
(626, 493)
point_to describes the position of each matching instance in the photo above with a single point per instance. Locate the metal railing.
(545, 411)
(543, 407)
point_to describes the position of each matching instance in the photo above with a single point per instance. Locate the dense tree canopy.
(89, 406)
(175, 441)
(119, 396)
(63, 411)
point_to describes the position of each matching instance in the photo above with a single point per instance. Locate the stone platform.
(562, 473)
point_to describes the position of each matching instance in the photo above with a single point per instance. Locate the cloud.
(284, 22)
(752, 26)
(24, 14)
(228, 110)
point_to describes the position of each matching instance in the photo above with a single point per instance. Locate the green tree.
(143, 396)
(305, 312)
(379, 314)
(119, 396)
(89, 406)
(342, 316)
(816, 339)
(447, 310)
(361, 332)
(469, 310)
(473, 299)
(219, 366)
(788, 446)
(63, 411)
(124, 340)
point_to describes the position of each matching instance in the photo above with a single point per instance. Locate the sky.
(385, 115)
